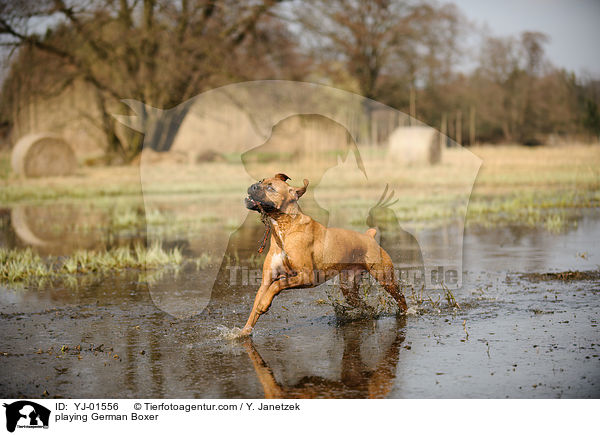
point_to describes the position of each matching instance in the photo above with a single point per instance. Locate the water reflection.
(121, 345)
(524, 249)
(61, 228)
(356, 379)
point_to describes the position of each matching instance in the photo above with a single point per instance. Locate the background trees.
(158, 52)
(405, 53)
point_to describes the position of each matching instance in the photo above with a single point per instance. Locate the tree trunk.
(161, 133)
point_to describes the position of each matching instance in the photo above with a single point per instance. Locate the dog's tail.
(371, 232)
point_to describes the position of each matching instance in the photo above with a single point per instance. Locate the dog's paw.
(234, 333)
(246, 332)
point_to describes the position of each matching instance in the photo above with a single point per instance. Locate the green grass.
(24, 193)
(550, 210)
(23, 265)
(555, 223)
(203, 261)
(18, 265)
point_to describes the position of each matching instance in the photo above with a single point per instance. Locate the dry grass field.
(513, 182)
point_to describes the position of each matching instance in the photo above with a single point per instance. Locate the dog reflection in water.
(357, 381)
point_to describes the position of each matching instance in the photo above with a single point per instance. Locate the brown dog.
(302, 250)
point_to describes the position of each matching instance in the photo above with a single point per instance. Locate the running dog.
(302, 250)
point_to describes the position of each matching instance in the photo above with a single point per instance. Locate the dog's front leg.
(254, 314)
(267, 280)
(299, 280)
(265, 295)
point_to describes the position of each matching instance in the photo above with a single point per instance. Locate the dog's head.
(274, 194)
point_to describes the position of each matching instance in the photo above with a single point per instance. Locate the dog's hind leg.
(383, 272)
(349, 287)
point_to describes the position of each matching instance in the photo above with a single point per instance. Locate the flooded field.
(512, 332)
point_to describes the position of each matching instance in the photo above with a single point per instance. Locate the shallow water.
(518, 248)
(511, 337)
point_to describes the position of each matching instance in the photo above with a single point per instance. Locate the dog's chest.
(279, 230)
(279, 263)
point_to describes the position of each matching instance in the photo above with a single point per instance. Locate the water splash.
(375, 302)
(229, 333)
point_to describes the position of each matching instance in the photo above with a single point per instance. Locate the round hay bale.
(43, 155)
(415, 145)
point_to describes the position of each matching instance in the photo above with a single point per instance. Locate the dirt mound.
(569, 275)
(209, 156)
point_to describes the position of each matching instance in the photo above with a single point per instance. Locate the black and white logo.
(26, 414)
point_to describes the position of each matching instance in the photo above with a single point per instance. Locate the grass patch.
(548, 210)
(203, 261)
(555, 223)
(20, 265)
(23, 265)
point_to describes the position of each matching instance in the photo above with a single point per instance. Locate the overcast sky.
(573, 26)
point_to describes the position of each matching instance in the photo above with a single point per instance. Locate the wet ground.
(515, 334)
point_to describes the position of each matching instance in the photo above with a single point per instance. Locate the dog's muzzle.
(251, 204)
(255, 198)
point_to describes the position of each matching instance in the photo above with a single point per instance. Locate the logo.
(26, 414)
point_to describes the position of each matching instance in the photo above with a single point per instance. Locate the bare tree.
(156, 51)
(400, 52)
(383, 42)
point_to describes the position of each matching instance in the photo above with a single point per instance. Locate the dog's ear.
(282, 177)
(301, 190)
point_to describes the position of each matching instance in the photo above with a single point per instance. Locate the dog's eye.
(270, 188)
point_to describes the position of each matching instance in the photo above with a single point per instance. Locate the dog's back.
(347, 247)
